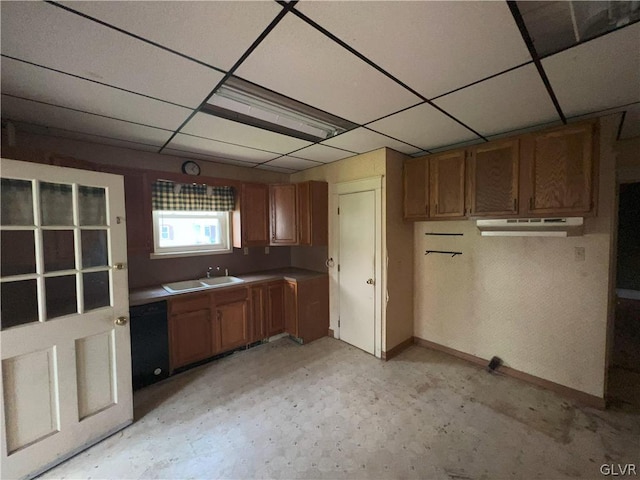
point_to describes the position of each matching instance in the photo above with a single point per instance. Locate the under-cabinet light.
(250, 104)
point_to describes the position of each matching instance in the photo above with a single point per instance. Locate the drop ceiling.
(418, 77)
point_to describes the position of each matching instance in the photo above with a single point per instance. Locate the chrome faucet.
(209, 270)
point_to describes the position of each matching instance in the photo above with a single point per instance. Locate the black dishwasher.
(149, 344)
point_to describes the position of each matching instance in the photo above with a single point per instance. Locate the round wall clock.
(191, 168)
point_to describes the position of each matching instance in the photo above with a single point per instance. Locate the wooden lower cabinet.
(307, 308)
(232, 321)
(258, 306)
(291, 308)
(190, 338)
(275, 308)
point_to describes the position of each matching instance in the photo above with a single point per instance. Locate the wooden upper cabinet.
(251, 219)
(560, 170)
(446, 185)
(284, 219)
(416, 188)
(313, 213)
(493, 178)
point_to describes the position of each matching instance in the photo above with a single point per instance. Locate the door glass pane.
(61, 295)
(56, 204)
(58, 250)
(16, 205)
(19, 303)
(17, 252)
(94, 248)
(92, 203)
(96, 290)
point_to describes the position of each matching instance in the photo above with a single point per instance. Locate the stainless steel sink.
(201, 284)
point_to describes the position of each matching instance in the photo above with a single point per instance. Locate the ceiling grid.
(418, 77)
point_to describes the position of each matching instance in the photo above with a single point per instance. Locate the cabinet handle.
(530, 203)
(437, 208)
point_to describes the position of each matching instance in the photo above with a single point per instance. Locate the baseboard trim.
(568, 392)
(388, 355)
(330, 333)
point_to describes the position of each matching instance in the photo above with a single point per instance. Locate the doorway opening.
(624, 366)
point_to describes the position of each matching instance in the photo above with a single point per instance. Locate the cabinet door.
(283, 205)
(254, 207)
(446, 185)
(275, 317)
(232, 319)
(561, 170)
(290, 309)
(257, 322)
(312, 308)
(493, 179)
(313, 213)
(416, 188)
(191, 337)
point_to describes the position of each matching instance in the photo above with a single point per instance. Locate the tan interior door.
(66, 359)
(357, 269)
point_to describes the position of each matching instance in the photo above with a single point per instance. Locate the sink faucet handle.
(226, 272)
(209, 270)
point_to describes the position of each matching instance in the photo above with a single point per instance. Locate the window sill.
(156, 256)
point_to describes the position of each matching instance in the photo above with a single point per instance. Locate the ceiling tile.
(276, 169)
(293, 163)
(217, 33)
(85, 137)
(600, 74)
(434, 47)
(361, 140)
(36, 83)
(322, 153)
(297, 60)
(217, 149)
(215, 128)
(50, 116)
(423, 126)
(509, 101)
(41, 33)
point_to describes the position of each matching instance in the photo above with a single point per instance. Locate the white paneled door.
(357, 244)
(66, 358)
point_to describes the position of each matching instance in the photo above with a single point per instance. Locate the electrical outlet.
(266, 250)
(246, 250)
(579, 254)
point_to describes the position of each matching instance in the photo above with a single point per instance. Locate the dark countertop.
(140, 296)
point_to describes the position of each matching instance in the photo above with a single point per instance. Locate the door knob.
(370, 281)
(120, 321)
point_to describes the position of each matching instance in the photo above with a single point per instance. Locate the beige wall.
(125, 157)
(524, 299)
(399, 235)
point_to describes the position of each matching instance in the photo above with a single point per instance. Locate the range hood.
(532, 227)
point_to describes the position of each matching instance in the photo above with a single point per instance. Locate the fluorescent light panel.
(247, 103)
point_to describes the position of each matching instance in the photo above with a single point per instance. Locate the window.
(191, 232)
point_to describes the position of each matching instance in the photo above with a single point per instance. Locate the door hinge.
(338, 267)
(338, 323)
(338, 210)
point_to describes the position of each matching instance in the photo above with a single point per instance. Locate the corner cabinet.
(493, 179)
(299, 214)
(446, 185)
(251, 217)
(561, 170)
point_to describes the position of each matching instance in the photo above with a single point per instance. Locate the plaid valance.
(176, 196)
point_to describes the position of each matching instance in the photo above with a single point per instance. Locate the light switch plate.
(246, 250)
(266, 250)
